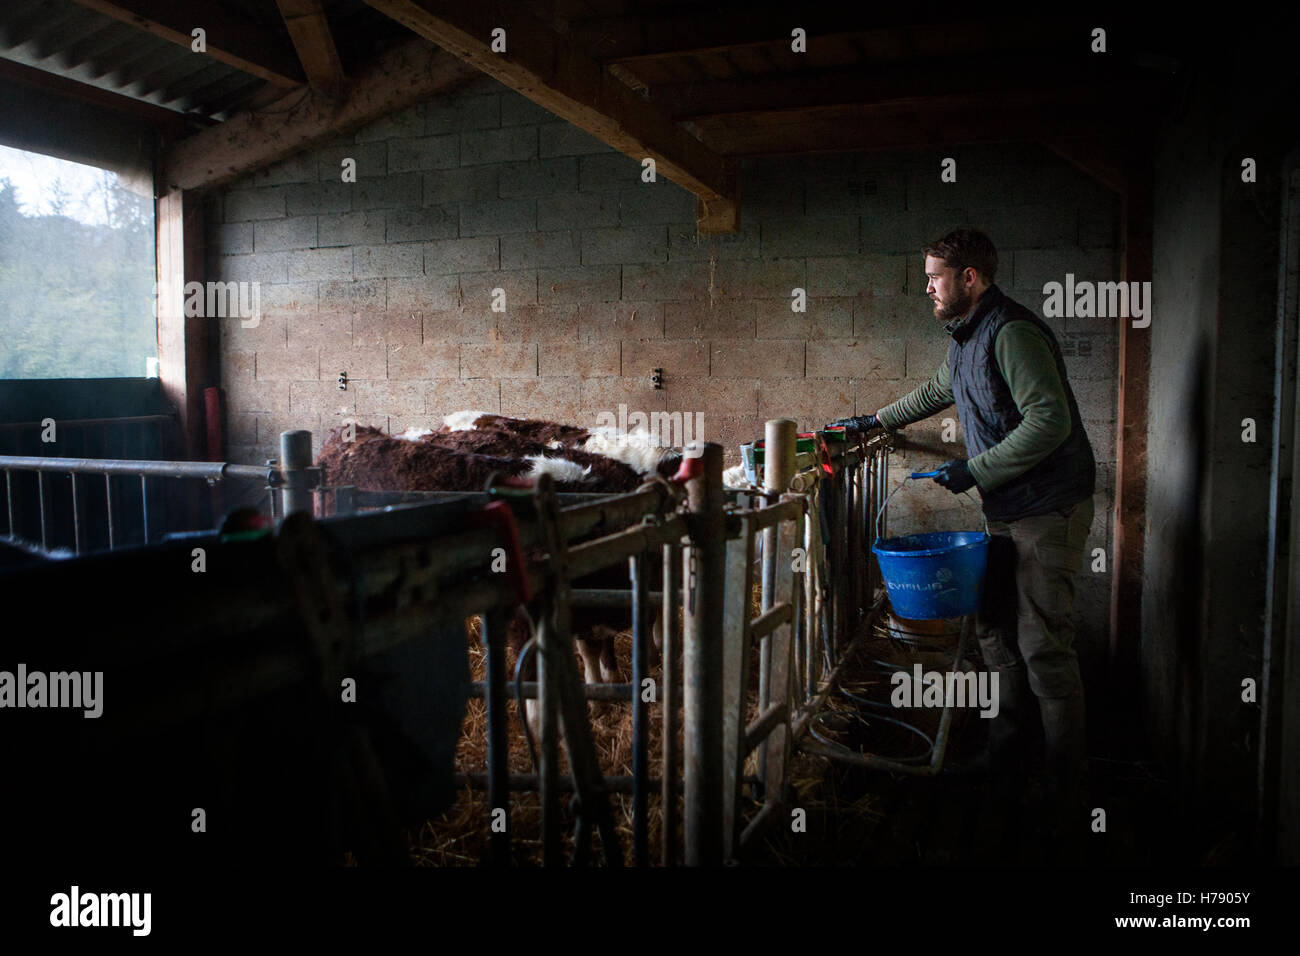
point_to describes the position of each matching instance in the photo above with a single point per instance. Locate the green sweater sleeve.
(921, 402)
(1025, 360)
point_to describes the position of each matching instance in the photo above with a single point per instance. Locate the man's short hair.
(963, 248)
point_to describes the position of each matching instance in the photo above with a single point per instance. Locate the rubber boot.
(1008, 770)
(1065, 818)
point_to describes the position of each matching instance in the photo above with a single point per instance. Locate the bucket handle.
(918, 474)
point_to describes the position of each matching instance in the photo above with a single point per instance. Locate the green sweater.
(1025, 360)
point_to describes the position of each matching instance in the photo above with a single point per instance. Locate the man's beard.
(954, 309)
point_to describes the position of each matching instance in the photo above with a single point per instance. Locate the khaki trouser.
(1028, 609)
(1026, 630)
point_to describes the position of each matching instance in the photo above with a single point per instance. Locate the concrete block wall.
(392, 278)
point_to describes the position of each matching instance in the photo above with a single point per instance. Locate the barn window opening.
(76, 272)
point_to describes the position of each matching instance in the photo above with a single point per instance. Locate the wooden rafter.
(553, 72)
(901, 125)
(311, 36)
(1099, 157)
(1013, 79)
(407, 74)
(238, 44)
(624, 39)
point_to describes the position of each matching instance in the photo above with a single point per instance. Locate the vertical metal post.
(863, 538)
(563, 685)
(703, 659)
(870, 526)
(808, 618)
(858, 479)
(826, 502)
(640, 716)
(802, 658)
(873, 502)
(548, 749)
(495, 623)
(781, 438)
(108, 497)
(144, 506)
(345, 500)
(40, 488)
(884, 495)
(850, 546)
(778, 742)
(796, 633)
(736, 645)
(834, 542)
(668, 790)
(295, 459)
(875, 506)
(9, 500)
(76, 516)
(843, 580)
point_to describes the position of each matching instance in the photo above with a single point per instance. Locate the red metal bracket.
(688, 469)
(822, 447)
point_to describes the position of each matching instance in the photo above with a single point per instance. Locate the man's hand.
(955, 476)
(859, 423)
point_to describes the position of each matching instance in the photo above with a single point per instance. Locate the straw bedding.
(460, 836)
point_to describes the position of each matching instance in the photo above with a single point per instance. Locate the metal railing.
(819, 588)
(860, 491)
(712, 545)
(299, 474)
(416, 567)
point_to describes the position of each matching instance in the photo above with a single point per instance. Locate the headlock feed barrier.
(245, 661)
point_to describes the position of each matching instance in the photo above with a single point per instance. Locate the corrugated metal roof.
(69, 40)
(66, 39)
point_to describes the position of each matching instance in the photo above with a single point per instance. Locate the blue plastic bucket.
(937, 574)
(934, 575)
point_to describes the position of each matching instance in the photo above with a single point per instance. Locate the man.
(1029, 457)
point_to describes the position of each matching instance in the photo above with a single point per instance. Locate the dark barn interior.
(558, 210)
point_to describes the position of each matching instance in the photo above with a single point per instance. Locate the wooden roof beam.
(646, 37)
(310, 33)
(242, 45)
(917, 127)
(1099, 157)
(823, 88)
(553, 72)
(407, 74)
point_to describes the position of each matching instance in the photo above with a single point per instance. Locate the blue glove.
(859, 423)
(955, 476)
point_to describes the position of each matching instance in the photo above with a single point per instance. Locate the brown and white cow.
(464, 452)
